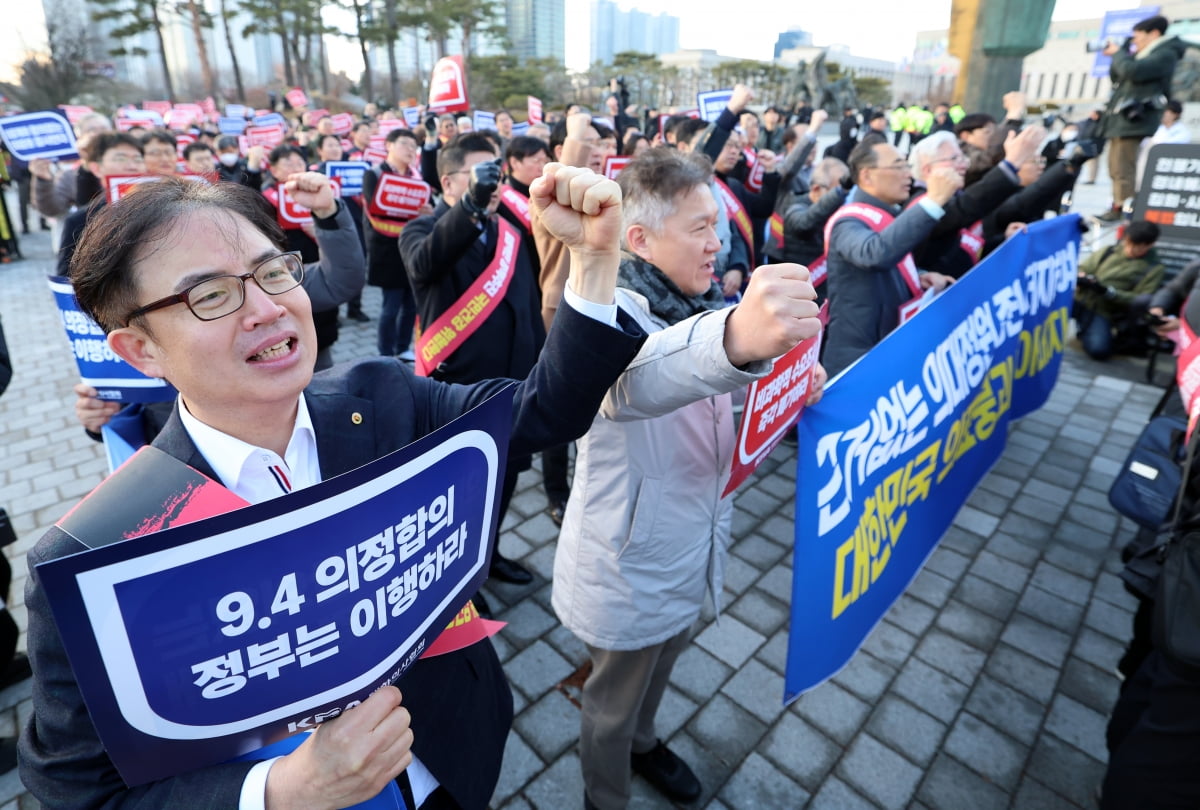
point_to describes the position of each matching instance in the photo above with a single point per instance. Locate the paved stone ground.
(986, 686)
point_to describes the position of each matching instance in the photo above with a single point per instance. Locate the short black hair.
(972, 122)
(120, 234)
(524, 146)
(453, 155)
(159, 136)
(686, 131)
(194, 147)
(1142, 233)
(1175, 107)
(104, 141)
(1157, 23)
(863, 157)
(398, 133)
(282, 151)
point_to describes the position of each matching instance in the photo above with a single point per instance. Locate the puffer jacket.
(646, 529)
(1142, 77)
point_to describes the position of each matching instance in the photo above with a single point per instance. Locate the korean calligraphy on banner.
(243, 627)
(902, 437)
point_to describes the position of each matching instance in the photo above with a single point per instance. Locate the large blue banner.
(99, 366)
(46, 134)
(902, 437)
(206, 641)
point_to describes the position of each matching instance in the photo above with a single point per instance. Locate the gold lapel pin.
(356, 418)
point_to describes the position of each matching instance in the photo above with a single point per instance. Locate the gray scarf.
(667, 301)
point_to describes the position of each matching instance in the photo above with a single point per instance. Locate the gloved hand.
(485, 179)
(431, 125)
(1090, 283)
(847, 181)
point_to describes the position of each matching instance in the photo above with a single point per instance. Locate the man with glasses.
(190, 284)
(111, 154)
(337, 278)
(869, 243)
(956, 241)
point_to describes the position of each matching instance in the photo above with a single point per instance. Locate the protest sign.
(296, 97)
(342, 123)
(313, 116)
(238, 111)
(269, 119)
(113, 378)
(483, 120)
(1169, 196)
(160, 107)
(292, 215)
(448, 86)
(75, 112)
(613, 164)
(399, 197)
(533, 109)
(412, 116)
(268, 137)
(231, 126)
(348, 174)
(773, 404)
(386, 125)
(902, 437)
(207, 640)
(712, 103)
(520, 129)
(38, 135)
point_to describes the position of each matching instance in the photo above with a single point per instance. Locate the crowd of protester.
(730, 232)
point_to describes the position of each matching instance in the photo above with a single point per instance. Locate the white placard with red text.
(400, 197)
(773, 404)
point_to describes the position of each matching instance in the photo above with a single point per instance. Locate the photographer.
(1110, 284)
(1141, 79)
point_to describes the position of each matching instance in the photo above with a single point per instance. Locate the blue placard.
(712, 103)
(153, 116)
(520, 129)
(1118, 25)
(484, 120)
(200, 643)
(231, 126)
(238, 111)
(902, 437)
(349, 174)
(412, 116)
(30, 136)
(267, 119)
(99, 366)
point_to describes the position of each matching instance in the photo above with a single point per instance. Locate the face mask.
(228, 158)
(1068, 135)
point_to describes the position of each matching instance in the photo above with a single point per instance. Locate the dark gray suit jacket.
(461, 704)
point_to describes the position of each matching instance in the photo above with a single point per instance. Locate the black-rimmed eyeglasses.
(224, 295)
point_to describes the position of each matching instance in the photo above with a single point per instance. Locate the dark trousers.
(554, 473)
(397, 317)
(1154, 740)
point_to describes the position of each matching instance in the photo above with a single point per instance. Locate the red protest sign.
(773, 404)
(448, 86)
(613, 164)
(399, 197)
(296, 97)
(160, 107)
(292, 215)
(118, 186)
(313, 116)
(533, 106)
(269, 137)
(343, 123)
(75, 111)
(374, 155)
(386, 125)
